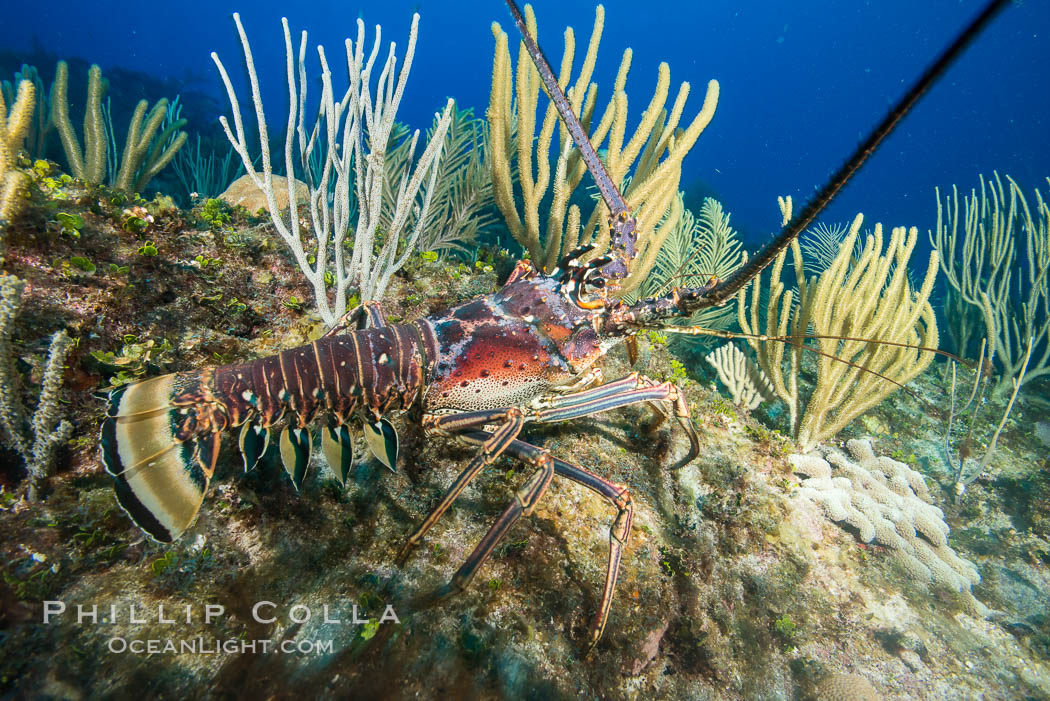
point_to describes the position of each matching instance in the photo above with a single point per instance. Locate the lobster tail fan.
(381, 438)
(160, 481)
(337, 441)
(295, 453)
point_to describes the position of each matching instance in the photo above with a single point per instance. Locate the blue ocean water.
(800, 82)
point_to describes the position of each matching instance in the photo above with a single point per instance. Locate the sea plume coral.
(35, 438)
(153, 137)
(863, 312)
(652, 155)
(991, 283)
(747, 384)
(351, 136)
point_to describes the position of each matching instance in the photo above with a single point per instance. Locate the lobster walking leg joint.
(528, 495)
(525, 500)
(513, 421)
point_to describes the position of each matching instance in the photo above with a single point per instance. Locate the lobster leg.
(365, 315)
(620, 497)
(525, 500)
(513, 421)
(630, 390)
(523, 270)
(615, 494)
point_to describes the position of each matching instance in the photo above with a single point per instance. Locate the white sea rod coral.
(886, 502)
(747, 383)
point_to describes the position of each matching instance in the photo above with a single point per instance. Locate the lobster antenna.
(610, 193)
(740, 277)
(798, 339)
(791, 339)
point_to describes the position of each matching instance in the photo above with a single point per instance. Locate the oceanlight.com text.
(216, 646)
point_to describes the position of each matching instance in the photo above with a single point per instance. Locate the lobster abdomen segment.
(161, 436)
(373, 370)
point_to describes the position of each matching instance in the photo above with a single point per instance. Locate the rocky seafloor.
(732, 585)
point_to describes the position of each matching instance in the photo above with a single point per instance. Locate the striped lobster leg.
(632, 389)
(525, 501)
(512, 420)
(629, 390)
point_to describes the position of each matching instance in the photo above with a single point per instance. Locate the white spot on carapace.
(383, 359)
(247, 395)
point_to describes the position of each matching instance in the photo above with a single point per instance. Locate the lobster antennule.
(160, 480)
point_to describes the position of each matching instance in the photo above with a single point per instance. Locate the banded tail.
(160, 479)
(160, 438)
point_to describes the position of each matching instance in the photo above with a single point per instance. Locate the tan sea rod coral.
(15, 121)
(652, 191)
(864, 312)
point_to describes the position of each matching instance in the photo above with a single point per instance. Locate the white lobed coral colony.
(888, 502)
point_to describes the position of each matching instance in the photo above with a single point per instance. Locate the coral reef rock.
(887, 502)
(243, 191)
(846, 687)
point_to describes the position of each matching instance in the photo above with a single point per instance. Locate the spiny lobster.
(480, 372)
